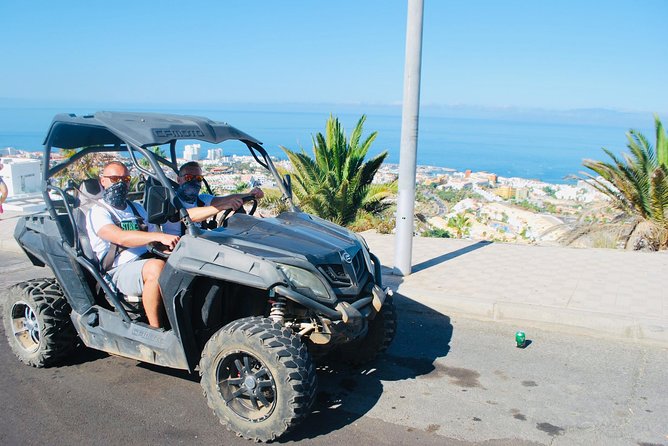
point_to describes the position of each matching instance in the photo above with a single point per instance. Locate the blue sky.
(542, 54)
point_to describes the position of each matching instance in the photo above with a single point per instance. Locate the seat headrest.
(91, 188)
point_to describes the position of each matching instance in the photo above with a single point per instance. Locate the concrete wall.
(22, 176)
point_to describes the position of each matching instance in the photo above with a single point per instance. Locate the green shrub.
(437, 233)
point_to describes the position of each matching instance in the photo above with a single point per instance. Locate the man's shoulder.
(131, 206)
(98, 208)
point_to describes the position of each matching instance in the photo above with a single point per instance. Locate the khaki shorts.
(128, 279)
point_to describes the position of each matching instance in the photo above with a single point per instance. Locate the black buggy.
(248, 305)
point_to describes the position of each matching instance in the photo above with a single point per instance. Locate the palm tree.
(336, 183)
(273, 201)
(240, 187)
(461, 224)
(637, 184)
(158, 151)
(89, 166)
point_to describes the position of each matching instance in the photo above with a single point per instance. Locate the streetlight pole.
(409, 136)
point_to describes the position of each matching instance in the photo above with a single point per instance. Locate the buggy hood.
(289, 235)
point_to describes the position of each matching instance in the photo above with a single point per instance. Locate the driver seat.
(90, 192)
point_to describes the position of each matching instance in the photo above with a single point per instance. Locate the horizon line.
(57, 103)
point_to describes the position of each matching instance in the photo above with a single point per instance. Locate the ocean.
(511, 143)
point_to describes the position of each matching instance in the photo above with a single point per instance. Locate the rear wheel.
(37, 322)
(258, 378)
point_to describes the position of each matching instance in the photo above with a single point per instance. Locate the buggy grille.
(335, 274)
(359, 265)
(341, 275)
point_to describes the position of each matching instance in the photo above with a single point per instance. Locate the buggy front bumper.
(364, 308)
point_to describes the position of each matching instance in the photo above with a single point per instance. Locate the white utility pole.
(409, 136)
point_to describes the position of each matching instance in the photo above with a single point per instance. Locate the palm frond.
(661, 143)
(335, 183)
(637, 182)
(659, 195)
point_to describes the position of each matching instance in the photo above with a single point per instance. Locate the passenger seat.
(90, 192)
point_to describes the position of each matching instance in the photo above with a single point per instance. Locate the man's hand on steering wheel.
(257, 193)
(222, 219)
(164, 244)
(234, 203)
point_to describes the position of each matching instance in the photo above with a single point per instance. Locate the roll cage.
(135, 133)
(132, 134)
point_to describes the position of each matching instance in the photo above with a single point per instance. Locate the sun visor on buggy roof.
(69, 131)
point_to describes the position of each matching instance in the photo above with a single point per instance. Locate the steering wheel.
(157, 249)
(221, 219)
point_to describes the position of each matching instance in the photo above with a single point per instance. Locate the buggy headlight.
(305, 282)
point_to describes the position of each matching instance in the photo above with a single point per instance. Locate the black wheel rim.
(246, 385)
(25, 326)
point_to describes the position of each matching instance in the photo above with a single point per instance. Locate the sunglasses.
(189, 177)
(118, 178)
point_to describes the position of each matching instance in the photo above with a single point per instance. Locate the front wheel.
(258, 378)
(37, 322)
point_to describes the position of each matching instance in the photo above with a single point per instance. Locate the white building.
(191, 152)
(22, 176)
(214, 154)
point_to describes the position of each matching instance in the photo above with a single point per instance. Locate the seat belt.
(114, 249)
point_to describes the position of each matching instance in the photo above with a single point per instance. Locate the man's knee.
(152, 269)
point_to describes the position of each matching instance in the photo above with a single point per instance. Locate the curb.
(641, 330)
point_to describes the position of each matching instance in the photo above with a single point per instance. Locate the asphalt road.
(444, 381)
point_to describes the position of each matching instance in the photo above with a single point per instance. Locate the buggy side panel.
(175, 289)
(104, 330)
(40, 238)
(30, 241)
(198, 306)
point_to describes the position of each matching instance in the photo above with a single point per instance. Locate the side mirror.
(159, 206)
(287, 182)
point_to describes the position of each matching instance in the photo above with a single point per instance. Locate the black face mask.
(116, 195)
(189, 191)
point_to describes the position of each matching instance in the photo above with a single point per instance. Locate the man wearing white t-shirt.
(202, 206)
(119, 235)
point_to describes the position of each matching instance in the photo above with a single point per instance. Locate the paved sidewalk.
(7, 223)
(600, 291)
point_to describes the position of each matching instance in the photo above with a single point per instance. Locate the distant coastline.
(542, 145)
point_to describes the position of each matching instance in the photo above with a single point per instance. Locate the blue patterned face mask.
(189, 191)
(116, 195)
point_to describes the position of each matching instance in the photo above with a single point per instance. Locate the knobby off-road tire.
(37, 323)
(258, 378)
(377, 340)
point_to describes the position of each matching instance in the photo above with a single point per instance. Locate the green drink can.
(520, 339)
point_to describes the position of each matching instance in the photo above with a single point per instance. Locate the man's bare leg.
(151, 296)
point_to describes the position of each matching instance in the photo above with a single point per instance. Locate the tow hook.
(379, 296)
(348, 312)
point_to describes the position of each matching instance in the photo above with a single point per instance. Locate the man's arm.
(232, 201)
(201, 213)
(133, 239)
